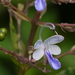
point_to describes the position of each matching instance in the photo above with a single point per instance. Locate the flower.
(40, 5)
(48, 48)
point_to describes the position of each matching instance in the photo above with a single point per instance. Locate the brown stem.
(66, 26)
(66, 1)
(33, 31)
(24, 60)
(62, 1)
(41, 23)
(28, 4)
(68, 52)
(57, 24)
(31, 38)
(43, 70)
(61, 55)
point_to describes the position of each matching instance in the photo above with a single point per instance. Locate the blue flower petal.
(40, 5)
(54, 63)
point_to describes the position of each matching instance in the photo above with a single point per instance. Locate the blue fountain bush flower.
(48, 48)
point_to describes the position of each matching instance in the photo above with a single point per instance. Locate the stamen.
(56, 32)
(49, 25)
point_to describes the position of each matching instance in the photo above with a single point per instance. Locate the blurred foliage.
(56, 14)
(69, 71)
(14, 35)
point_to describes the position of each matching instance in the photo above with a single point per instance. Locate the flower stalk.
(33, 31)
(46, 48)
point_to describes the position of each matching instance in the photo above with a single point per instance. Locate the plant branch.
(62, 1)
(57, 24)
(33, 31)
(43, 70)
(22, 61)
(28, 4)
(67, 53)
(66, 26)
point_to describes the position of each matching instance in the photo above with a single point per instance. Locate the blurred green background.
(64, 13)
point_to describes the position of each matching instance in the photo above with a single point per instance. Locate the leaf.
(17, 43)
(69, 71)
(20, 7)
(22, 47)
(20, 15)
(14, 36)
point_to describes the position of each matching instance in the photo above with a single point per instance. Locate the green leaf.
(13, 33)
(20, 6)
(15, 39)
(22, 47)
(20, 15)
(69, 71)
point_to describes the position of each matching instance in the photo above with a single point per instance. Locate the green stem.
(19, 37)
(22, 70)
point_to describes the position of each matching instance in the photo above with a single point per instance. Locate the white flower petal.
(38, 54)
(37, 44)
(54, 39)
(54, 49)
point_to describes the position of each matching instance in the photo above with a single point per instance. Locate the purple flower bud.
(40, 5)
